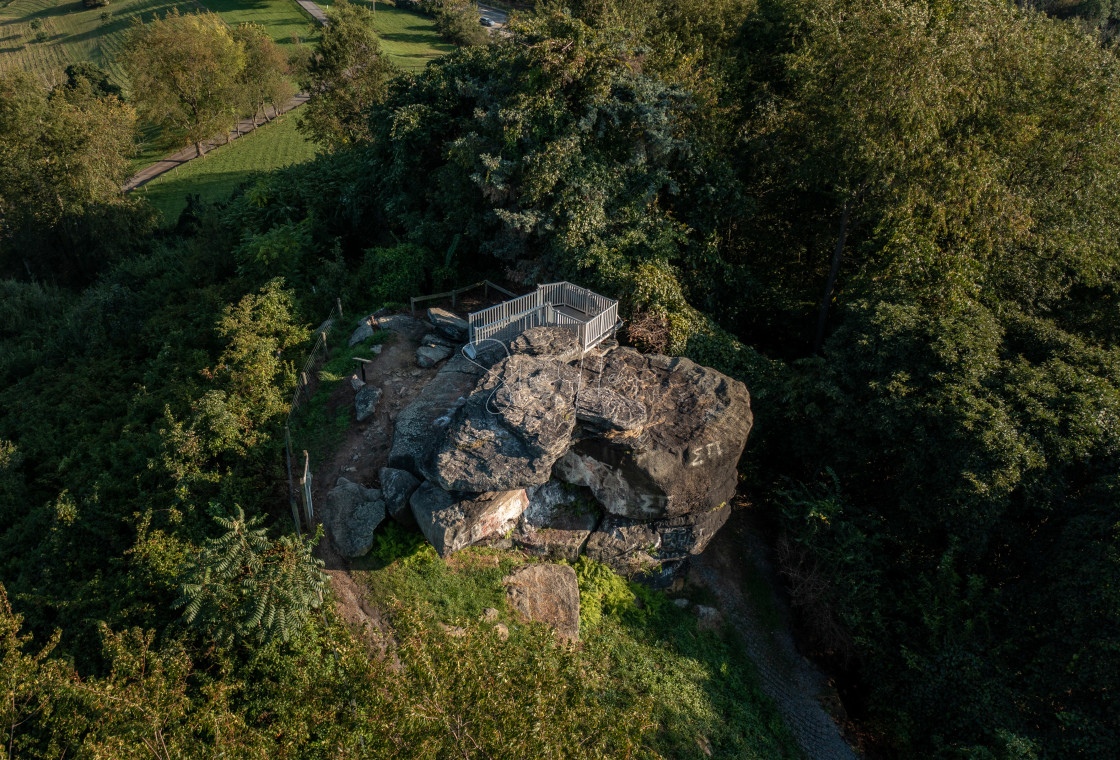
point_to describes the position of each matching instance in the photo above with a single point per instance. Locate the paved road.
(315, 11)
(497, 15)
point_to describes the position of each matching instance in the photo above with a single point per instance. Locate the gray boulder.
(689, 534)
(364, 331)
(558, 521)
(435, 339)
(449, 324)
(548, 594)
(451, 523)
(430, 356)
(402, 324)
(352, 513)
(682, 458)
(365, 401)
(396, 487)
(516, 424)
(420, 422)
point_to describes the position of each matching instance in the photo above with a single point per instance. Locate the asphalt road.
(497, 15)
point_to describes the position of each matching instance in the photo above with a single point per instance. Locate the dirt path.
(798, 688)
(360, 457)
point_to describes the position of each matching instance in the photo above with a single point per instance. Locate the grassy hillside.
(73, 33)
(284, 19)
(216, 175)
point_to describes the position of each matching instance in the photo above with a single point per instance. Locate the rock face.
(365, 401)
(352, 513)
(450, 523)
(515, 425)
(559, 343)
(652, 442)
(558, 521)
(396, 487)
(431, 411)
(682, 458)
(546, 593)
(455, 328)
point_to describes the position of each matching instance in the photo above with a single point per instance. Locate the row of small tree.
(195, 75)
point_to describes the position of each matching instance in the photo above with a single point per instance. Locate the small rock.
(430, 356)
(356, 382)
(502, 631)
(449, 324)
(415, 373)
(450, 523)
(365, 402)
(489, 614)
(364, 331)
(709, 618)
(376, 349)
(546, 593)
(682, 603)
(453, 631)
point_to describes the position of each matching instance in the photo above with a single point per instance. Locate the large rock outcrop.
(682, 458)
(515, 425)
(651, 441)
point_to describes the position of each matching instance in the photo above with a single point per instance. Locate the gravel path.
(796, 685)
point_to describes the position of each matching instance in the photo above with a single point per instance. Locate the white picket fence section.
(540, 308)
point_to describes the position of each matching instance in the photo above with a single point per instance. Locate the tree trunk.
(830, 288)
(198, 149)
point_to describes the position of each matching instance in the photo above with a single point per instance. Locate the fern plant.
(243, 585)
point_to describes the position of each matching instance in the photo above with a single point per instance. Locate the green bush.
(393, 275)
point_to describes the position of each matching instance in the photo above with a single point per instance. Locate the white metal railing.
(537, 309)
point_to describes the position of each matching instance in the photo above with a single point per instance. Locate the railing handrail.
(523, 312)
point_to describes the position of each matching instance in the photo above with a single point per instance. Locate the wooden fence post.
(291, 484)
(338, 303)
(326, 350)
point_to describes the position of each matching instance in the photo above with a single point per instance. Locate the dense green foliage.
(894, 220)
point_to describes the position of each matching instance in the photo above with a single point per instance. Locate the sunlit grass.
(219, 172)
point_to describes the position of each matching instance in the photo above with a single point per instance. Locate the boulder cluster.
(627, 458)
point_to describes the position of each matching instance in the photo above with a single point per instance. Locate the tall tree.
(345, 77)
(65, 154)
(265, 78)
(184, 73)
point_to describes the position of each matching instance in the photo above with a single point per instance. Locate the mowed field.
(75, 33)
(409, 39)
(219, 172)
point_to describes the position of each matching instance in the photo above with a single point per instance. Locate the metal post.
(412, 303)
(338, 303)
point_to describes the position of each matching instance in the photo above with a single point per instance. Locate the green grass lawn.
(283, 19)
(215, 176)
(409, 39)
